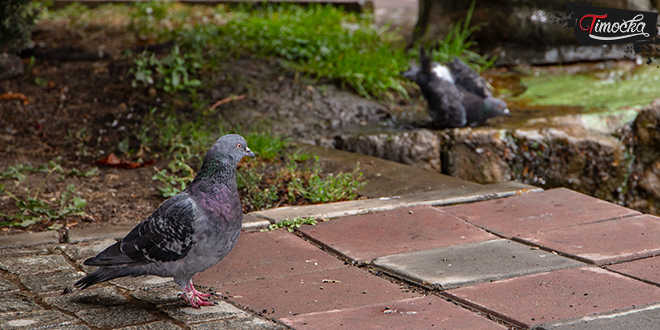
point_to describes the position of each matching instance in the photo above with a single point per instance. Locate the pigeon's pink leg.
(196, 298)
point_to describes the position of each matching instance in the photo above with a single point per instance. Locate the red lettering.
(593, 21)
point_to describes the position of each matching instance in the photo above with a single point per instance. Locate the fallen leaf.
(227, 100)
(113, 161)
(13, 96)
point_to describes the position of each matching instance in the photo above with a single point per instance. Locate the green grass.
(291, 224)
(322, 41)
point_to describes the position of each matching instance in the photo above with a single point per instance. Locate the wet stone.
(23, 251)
(29, 265)
(159, 296)
(35, 320)
(86, 299)
(160, 325)
(143, 282)
(82, 251)
(16, 302)
(51, 282)
(240, 323)
(114, 317)
(189, 315)
(6, 285)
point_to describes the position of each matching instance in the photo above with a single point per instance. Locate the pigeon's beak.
(507, 112)
(250, 153)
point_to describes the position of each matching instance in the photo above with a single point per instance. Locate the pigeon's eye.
(238, 146)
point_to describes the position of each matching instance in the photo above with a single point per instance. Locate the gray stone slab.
(640, 318)
(47, 237)
(159, 296)
(30, 265)
(115, 316)
(84, 250)
(186, 314)
(71, 327)
(7, 286)
(23, 251)
(431, 198)
(51, 282)
(35, 320)
(240, 323)
(143, 282)
(160, 325)
(94, 297)
(17, 302)
(251, 222)
(472, 263)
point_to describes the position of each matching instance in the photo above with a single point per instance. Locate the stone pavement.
(555, 259)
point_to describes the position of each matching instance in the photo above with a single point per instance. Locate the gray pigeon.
(188, 233)
(457, 96)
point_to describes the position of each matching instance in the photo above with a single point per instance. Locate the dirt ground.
(81, 105)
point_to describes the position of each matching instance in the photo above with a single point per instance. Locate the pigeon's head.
(230, 148)
(494, 107)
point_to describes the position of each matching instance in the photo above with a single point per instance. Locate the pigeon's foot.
(195, 298)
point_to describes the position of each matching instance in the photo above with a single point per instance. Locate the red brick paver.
(269, 254)
(374, 235)
(315, 292)
(604, 242)
(647, 269)
(563, 294)
(418, 313)
(531, 213)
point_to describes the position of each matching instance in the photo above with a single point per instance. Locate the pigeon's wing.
(165, 236)
(469, 79)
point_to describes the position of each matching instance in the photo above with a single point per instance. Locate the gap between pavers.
(471, 263)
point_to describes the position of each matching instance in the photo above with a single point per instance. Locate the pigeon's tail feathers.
(424, 61)
(105, 274)
(112, 256)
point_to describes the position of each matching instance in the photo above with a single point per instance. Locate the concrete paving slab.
(47, 237)
(467, 194)
(160, 325)
(78, 235)
(51, 282)
(29, 265)
(267, 254)
(604, 242)
(182, 312)
(87, 249)
(17, 302)
(115, 316)
(314, 292)
(472, 263)
(159, 296)
(7, 285)
(362, 238)
(240, 323)
(558, 295)
(531, 213)
(639, 318)
(647, 269)
(418, 313)
(143, 282)
(35, 320)
(89, 298)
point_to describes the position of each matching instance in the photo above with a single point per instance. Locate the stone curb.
(262, 219)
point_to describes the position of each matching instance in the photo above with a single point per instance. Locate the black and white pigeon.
(457, 96)
(188, 233)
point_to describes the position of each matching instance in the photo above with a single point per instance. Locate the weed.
(265, 145)
(32, 209)
(174, 184)
(175, 71)
(332, 188)
(291, 224)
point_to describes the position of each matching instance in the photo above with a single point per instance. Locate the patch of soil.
(81, 105)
